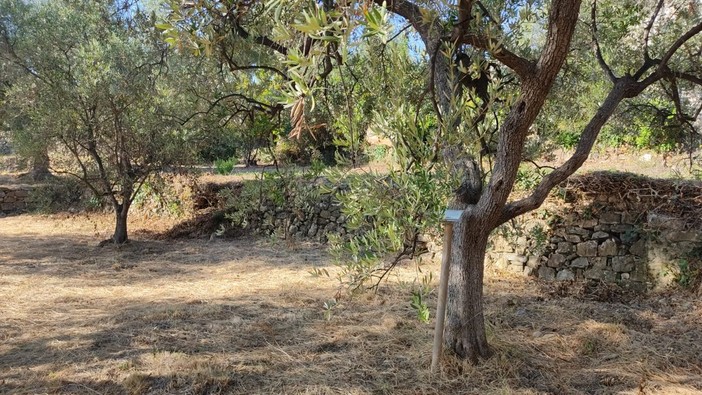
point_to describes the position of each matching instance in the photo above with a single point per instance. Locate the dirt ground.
(247, 316)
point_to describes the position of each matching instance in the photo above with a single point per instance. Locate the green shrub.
(568, 139)
(289, 151)
(385, 213)
(60, 194)
(224, 166)
(527, 178)
(377, 152)
(165, 194)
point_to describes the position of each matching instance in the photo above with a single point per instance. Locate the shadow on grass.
(143, 260)
(133, 338)
(280, 342)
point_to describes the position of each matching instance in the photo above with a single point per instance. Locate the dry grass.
(246, 316)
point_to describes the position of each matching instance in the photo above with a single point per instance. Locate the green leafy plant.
(528, 178)
(378, 152)
(418, 299)
(224, 166)
(567, 139)
(539, 238)
(420, 306)
(386, 213)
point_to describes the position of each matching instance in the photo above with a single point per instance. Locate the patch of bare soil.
(246, 316)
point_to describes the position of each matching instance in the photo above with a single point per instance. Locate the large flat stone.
(623, 264)
(607, 248)
(638, 248)
(580, 263)
(610, 218)
(681, 236)
(600, 235)
(547, 273)
(565, 275)
(565, 247)
(588, 248)
(556, 260)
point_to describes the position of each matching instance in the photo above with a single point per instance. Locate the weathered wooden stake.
(450, 217)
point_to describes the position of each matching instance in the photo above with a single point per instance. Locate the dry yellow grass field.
(246, 316)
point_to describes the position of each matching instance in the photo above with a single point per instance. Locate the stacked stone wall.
(314, 220)
(638, 250)
(13, 200)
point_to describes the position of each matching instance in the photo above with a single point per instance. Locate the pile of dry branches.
(677, 198)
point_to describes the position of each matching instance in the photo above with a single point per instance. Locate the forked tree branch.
(624, 87)
(662, 68)
(514, 130)
(587, 140)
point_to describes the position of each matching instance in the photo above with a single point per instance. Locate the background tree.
(94, 84)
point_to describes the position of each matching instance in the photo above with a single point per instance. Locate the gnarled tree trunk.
(485, 207)
(465, 327)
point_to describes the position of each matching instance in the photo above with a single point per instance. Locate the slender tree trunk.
(120, 235)
(465, 328)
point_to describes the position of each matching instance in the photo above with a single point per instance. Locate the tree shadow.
(571, 344)
(144, 260)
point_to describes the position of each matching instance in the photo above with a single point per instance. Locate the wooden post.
(450, 216)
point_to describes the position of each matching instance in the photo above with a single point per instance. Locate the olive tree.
(468, 44)
(94, 86)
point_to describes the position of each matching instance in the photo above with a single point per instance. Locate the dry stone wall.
(610, 235)
(314, 220)
(13, 200)
(603, 237)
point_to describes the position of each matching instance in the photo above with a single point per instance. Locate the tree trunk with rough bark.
(40, 166)
(483, 208)
(121, 213)
(465, 327)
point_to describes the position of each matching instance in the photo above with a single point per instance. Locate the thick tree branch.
(587, 140)
(662, 68)
(562, 20)
(624, 87)
(679, 43)
(688, 77)
(464, 16)
(521, 66)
